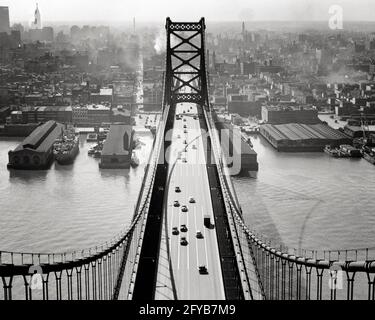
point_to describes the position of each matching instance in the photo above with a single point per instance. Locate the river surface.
(309, 200)
(302, 200)
(67, 207)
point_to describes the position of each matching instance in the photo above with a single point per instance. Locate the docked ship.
(96, 150)
(333, 152)
(66, 148)
(369, 154)
(345, 151)
(92, 137)
(350, 151)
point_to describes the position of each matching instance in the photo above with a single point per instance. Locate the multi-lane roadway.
(190, 177)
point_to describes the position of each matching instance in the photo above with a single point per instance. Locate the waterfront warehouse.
(117, 149)
(249, 160)
(36, 151)
(298, 137)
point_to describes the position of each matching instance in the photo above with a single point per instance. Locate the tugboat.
(333, 152)
(66, 149)
(350, 151)
(92, 137)
(134, 161)
(368, 147)
(96, 150)
(369, 154)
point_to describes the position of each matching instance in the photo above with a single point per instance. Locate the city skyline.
(120, 11)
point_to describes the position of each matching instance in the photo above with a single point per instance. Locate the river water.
(67, 207)
(309, 200)
(302, 200)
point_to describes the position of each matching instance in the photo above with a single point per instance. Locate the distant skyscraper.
(244, 33)
(37, 23)
(4, 20)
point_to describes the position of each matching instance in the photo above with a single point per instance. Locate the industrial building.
(117, 149)
(298, 137)
(36, 151)
(289, 114)
(233, 150)
(357, 131)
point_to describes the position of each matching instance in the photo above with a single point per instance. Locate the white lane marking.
(205, 239)
(196, 240)
(179, 245)
(188, 250)
(172, 219)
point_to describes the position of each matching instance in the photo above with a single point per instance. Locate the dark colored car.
(176, 203)
(183, 228)
(177, 189)
(183, 241)
(175, 231)
(202, 269)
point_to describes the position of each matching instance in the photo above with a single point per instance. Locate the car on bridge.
(183, 241)
(184, 160)
(185, 131)
(207, 221)
(184, 208)
(199, 235)
(185, 126)
(202, 269)
(177, 189)
(185, 142)
(194, 147)
(176, 203)
(178, 136)
(183, 228)
(175, 231)
(191, 200)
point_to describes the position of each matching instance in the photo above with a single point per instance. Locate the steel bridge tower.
(185, 55)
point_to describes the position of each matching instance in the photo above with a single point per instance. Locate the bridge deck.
(192, 179)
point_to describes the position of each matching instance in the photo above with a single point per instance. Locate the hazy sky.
(214, 10)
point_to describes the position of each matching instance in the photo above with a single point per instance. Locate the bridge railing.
(285, 273)
(251, 281)
(100, 272)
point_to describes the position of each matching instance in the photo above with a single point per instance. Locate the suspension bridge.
(188, 238)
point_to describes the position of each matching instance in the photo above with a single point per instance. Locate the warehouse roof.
(42, 138)
(298, 131)
(118, 140)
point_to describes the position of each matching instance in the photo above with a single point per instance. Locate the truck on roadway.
(207, 221)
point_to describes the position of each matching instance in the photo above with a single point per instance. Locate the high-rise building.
(4, 19)
(37, 23)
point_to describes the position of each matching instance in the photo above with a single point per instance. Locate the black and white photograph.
(161, 151)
